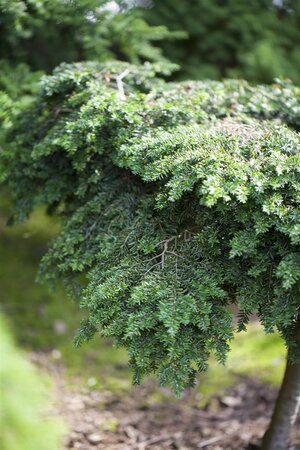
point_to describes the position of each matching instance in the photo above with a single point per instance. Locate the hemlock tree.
(177, 200)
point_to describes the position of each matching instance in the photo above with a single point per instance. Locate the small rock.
(206, 431)
(56, 354)
(84, 428)
(246, 436)
(73, 435)
(75, 404)
(59, 327)
(131, 432)
(94, 438)
(92, 381)
(231, 401)
(79, 445)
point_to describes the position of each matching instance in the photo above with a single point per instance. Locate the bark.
(285, 412)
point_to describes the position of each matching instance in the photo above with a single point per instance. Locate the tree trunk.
(285, 413)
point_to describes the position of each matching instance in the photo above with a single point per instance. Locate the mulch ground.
(100, 419)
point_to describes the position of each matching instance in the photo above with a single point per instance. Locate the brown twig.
(120, 86)
(210, 441)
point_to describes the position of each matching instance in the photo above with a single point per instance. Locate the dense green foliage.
(255, 40)
(44, 33)
(33, 315)
(177, 200)
(24, 403)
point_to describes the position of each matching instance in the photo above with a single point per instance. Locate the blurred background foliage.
(256, 40)
(44, 33)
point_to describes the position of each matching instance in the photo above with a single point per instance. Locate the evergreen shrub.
(177, 200)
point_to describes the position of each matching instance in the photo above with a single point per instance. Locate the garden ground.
(148, 417)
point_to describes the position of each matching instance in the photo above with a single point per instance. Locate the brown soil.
(100, 419)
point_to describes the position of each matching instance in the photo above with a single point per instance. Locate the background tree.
(32, 32)
(177, 201)
(257, 40)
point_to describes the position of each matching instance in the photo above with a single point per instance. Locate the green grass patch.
(256, 354)
(25, 400)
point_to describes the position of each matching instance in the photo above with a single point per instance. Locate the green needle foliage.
(177, 200)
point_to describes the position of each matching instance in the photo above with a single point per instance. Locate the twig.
(155, 440)
(120, 86)
(210, 441)
(152, 267)
(57, 111)
(169, 252)
(166, 240)
(154, 257)
(164, 253)
(89, 232)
